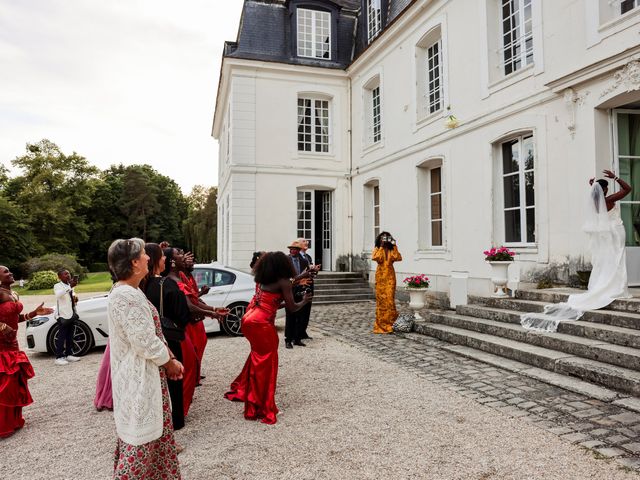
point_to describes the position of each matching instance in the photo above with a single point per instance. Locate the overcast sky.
(118, 81)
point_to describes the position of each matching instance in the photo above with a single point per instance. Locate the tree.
(201, 225)
(54, 189)
(15, 236)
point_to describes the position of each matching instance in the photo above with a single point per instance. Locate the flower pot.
(499, 277)
(416, 300)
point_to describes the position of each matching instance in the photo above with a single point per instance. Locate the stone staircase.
(338, 287)
(603, 348)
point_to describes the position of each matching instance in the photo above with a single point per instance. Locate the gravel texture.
(344, 414)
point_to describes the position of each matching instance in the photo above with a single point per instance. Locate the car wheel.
(82, 339)
(231, 323)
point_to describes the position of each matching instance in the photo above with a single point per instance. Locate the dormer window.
(314, 33)
(374, 18)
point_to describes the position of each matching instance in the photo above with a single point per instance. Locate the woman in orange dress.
(385, 253)
(15, 368)
(256, 384)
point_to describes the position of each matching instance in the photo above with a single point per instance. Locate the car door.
(220, 283)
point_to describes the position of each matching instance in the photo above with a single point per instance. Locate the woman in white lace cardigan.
(140, 365)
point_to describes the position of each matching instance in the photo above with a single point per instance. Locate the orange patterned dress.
(386, 312)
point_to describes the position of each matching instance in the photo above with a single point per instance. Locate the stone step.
(334, 301)
(339, 275)
(610, 376)
(341, 286)
(627, 337)
(319, 280)
(570, 344)
(630, 305)
(563, 381)
(617, 318)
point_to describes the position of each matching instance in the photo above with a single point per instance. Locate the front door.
(326, 230)
(315, 220)
(626, 134)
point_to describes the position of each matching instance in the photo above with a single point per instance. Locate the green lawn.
(95, 282)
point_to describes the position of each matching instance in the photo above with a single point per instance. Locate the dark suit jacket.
(299, 289)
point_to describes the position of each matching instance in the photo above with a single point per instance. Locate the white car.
(228, 288)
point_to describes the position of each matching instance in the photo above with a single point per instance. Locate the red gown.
(15, 370)
(256, 384)
(195, 331)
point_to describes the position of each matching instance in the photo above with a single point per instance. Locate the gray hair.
(120, 255)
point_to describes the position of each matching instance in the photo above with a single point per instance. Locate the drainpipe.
(350, 183)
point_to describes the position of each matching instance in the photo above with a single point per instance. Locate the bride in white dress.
(608, 279)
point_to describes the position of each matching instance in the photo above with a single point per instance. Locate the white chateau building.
(333, 124)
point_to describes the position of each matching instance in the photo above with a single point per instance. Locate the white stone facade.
(561, 104)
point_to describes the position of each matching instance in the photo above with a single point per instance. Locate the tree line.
(61, 203)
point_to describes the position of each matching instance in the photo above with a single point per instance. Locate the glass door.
(326, 231)
(626, 134)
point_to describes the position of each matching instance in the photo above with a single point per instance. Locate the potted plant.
(416, 285)
(451, 122)
(499, 258)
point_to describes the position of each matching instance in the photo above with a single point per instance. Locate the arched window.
(430, 71)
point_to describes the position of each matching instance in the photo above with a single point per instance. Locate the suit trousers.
(305, 314)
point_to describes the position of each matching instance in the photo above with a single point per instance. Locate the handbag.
(170, 330)
(403, 324)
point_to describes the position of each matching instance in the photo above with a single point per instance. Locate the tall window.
(374, 18)
(517, 35)
(305, 212)
(314, 34)
(434, 77)
(430, 205)
(435, 212)
(376, 211)
(313, 125)
(372, 103)
(628, 5)
(518, 190)
(376, 114)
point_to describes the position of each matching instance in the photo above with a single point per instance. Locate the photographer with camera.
(66, 316)
(385, 253)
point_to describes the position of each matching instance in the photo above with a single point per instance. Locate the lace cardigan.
(136, 353)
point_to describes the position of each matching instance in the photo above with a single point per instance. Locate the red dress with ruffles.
(15, 371)
(256, 384)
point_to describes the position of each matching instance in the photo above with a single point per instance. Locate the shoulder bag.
(170, 330)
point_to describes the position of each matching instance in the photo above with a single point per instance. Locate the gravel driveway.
(344, 415)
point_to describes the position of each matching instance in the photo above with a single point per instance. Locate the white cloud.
(123, 81)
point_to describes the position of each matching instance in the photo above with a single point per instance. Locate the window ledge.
(371, 147)
(431, 253)
(511, 79)
(618, 21)
(318, 155)
(523, 249)
(430, 119)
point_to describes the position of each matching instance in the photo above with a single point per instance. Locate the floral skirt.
(154, 460)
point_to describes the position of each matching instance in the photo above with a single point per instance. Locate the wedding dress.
(608, 279)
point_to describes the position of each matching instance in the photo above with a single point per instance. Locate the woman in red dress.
(15, 368)
(256, 384)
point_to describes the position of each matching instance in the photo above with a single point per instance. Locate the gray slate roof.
(265, 32)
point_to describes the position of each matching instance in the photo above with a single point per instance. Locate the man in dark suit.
(294, 320)
(305, 312)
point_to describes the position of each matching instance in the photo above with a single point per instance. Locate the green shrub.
(98, 267)
(54, 262)
(43, 280)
